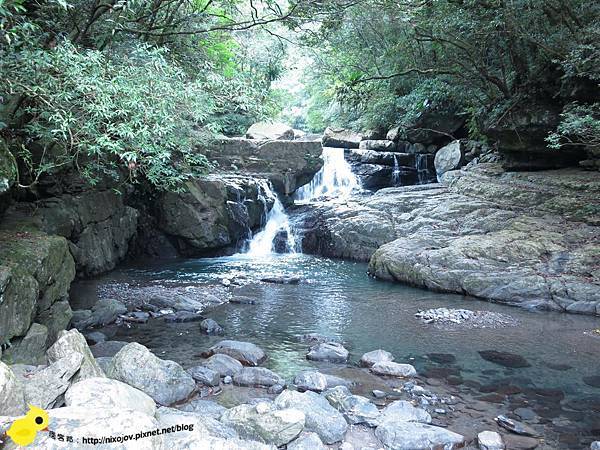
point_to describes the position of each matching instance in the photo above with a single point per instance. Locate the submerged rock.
(281, 280)
(262, 423)
(165, 381)
(321, 417)
(400, 435)
(393, 369)
(376, 356)
(515, 426)
(224, 365)
(107, 393)
(183, 316)
(329, 352)
(505, 359)
(245, 352)
(209, 326)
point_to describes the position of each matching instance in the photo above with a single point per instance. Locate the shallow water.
(338, 299)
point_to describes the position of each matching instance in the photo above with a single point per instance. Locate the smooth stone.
(378, 394)
(104, 362)
(355, 408)
(12, 394)
(525, 413)
(95, 337)
(46, 387)
(329, 352)
(312, 380)
(595, 445)
(205, 376)
(183, 316)
(70, 342)
(82, 319)
(245, 352)
(515, 426)
(442, 358)
(321, 417)
(204, 407)
(505, 359)
(270, 131)
(165, 381)
(203, 425)
(307, 441)
(224, 365)
(262, 423)
(107, 348)
(257, 377)
(227, 380)
(281, 280)
(490, 440)
(136, 317)
(404, 411)
(106, 311)
(400, 435)
(515, 442)
(209, 326)
(375, 356)
(276, 389)
(394, 369)
(107, 393)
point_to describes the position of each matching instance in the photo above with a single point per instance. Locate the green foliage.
(579, 125)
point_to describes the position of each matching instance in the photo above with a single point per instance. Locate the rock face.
(12, 397)
(107, 393)
(400, 435)
(286, 164)
(526, 238)
(333, 137)
(245, 352)
(165, 381)
(321, 417)
(270, 131)
(264, 423)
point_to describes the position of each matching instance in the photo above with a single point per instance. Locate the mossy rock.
(8, 168)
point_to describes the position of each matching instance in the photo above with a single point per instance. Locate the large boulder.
(107, 393)
(378, 145)
(307, 441)
(264, 423)
(490, 440)
(321, 417)
(202, 425)
(204, 408)
(30, 349)
(45, 388)
(12, 396)
(404, 411)
(312, 380)
(270, 131)
(376, 356)
(165, 381)
(257, 377)
(355, 408)
(329, 352)
(339, 137)
(448, 158)
(223, 364)
(70, 342)
(400, 435)
(205, 376)
(393, 369)
(247, 353)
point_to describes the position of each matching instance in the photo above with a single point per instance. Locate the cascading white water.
(277, 222)
(335, 179)
(396, 175)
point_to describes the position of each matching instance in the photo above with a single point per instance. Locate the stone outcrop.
(270, 131)
(286, 164)
(342, 138)
(526, 238)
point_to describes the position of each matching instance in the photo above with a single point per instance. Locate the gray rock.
(450, 157)
(165, 381)
(70, 342)
(204, 407)
(276, 389)
(376, 356)
(94, 337)
(490, 440)
(403, 411)
(355, 408)
(12, 396)
(245, 352)
(104, 362)
(270, 131)
(394, 369)
(281, 279)
(31, 349)
(107, 348)
(393, 134)
(378, 145)
(378, 394)
(329, 351)
(107, 393)
(515, 426)
(595, 445)
(265, 424)
(46, 387)
(312, 380)
(321, 417)
(224, 365)
(184, 316)
(307, 441)
(315, 338)
(205, 376)
(94, 422)
(106, 311)
(257, 377)
(181, 303)
(341, 138)
(227, 379)
(400, 435)
(203, 425)
(82, 319)
(209, 326)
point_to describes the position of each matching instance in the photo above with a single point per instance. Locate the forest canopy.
(107, 84)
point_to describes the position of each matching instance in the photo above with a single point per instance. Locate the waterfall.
(277, 227)
(421, 164)
(335, 179)
(396, 175)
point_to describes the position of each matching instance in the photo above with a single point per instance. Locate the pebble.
(227, 380)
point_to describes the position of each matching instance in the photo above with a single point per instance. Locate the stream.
(560, 380)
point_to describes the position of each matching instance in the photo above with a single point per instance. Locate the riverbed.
(337, 299)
